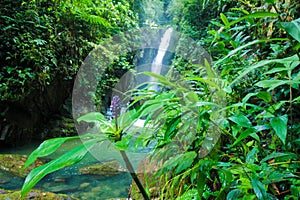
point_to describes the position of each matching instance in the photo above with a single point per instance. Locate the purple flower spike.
(115, 106)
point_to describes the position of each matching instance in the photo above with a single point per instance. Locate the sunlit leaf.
(46, 148)
(241, 120)
(71, 157)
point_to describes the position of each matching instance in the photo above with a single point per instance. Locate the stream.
(70, 181)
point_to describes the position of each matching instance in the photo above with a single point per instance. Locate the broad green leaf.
(189, 195)
(46, 148)
(293, 28)
(71, 157)
(123, 143)
(233, 194)
(265, 96)
(224, 19)
(259, 189)
(171, 127)
(279, 124)
(244, 134)
(185, 161)
(99, 120)
(241, 120)
(50, 146)
(92, 117)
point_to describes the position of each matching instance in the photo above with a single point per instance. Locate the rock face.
(13, 164)
(33, 195)
(24, 119)
(106, 168)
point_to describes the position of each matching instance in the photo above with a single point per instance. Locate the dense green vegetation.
(234, 134)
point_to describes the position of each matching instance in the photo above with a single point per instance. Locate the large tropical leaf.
(71, 157)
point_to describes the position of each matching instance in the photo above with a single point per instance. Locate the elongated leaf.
(271, 84)
(259, 189)
(233, 194)
(189, 195)
(275, 70)
(293, 28)
(46, 148)
(224, 19)
(241, 120)
(92, 117)
(254, 16)
(263, 63)
(248, 96)
(279, 124)
(274, 155)
(99, 120)
(185, 161)
(161, 79)
(252, 155)
(244, 135)
(71, 157)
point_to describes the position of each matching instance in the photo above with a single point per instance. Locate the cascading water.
(157, 63)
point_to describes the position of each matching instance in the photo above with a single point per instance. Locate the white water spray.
(157, 62)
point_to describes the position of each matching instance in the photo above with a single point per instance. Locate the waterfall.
(157, 62)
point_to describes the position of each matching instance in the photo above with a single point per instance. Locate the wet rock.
(107, 168)
(34, 195)
(62, 188)
(13, 164)
(60, 180)
(84, 185)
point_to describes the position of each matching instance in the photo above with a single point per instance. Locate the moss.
(107, 168)
(13, 164)
(33, 195)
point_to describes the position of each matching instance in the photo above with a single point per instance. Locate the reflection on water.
(70, 181)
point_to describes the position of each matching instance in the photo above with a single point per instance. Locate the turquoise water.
(70, 181)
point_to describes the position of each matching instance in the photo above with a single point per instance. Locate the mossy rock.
(106, 168)
(33, 195)
(14, 164)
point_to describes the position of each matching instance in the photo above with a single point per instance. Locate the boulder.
(106, 168)
(13, 164)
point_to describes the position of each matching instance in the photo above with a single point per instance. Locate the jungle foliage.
(42, 40)
(235, 133)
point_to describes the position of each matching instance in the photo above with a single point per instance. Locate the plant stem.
(133, 175)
